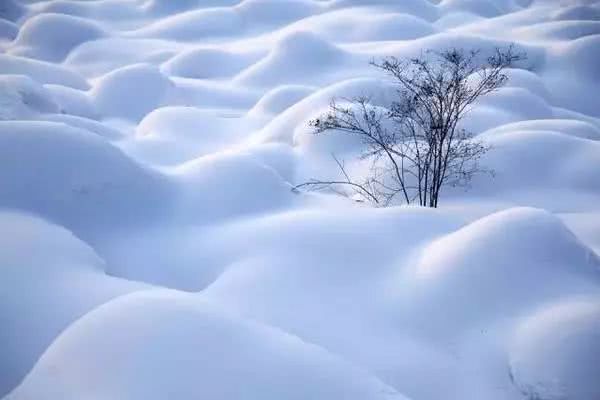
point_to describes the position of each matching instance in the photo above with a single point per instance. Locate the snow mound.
(11, 10)
(484, 8)
(192, 25)
(291, 125)
(8, 30)
(572, 127)
(23, 98)
(157, 345)
(562, 30)
(575, 57)
(419, 8)
(457, 18)
(171, 135)
(507, 105)
(355, 26)
(215, 184)
(62, 181)
(287, 62)
(264, 280)
(528, 80)
(131, 92)
(208, 63)
(87, 124)
(279, 99)
(275, 12)
(560, 162)
(184, 122)
(471, 275)
(44, 261)
(577, 13)
(108, 13)
(584, 51)
(72, 101)
(42, 72)
(555, 352)
(160, 7)
(51, 37)
(104, 55)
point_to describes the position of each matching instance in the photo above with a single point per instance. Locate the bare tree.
(415, 145)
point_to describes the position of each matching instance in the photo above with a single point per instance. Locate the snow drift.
(151, 246)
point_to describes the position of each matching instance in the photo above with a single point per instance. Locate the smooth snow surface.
(151, 246)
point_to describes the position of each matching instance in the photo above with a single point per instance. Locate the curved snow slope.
(481, 257)
(177, 134)
(154, 144)
(111, 93)
(191, 350)
(44, 260)
(74, 177)
(51, 37)
(554, 352)
(208, 63)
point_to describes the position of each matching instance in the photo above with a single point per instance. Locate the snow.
(110, 93)
(281, 98)
(62, 181)
(51, 37)
(11, 10)
(486, 266)
(22, 97)
(194, 25)
(151, 246)
(8, 30)
(175, 133)
(284, 63)
(44, 260)
(555, 351)
(208, 63)
(42, 72)
(238, 358)
(72, 102)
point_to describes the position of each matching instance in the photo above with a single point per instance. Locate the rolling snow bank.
(62, 180)
(44, 261)
(172, 135)
(151, 147)
(51, 37)
(190, 350)
(112, 93)
(555, 351)
(499, 284)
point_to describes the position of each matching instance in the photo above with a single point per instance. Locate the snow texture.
(151, 246)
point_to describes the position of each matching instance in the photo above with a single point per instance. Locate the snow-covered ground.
(151, 247)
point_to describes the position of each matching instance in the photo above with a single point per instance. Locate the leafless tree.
(416, 145)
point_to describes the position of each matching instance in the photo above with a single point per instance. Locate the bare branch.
(415, 143)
